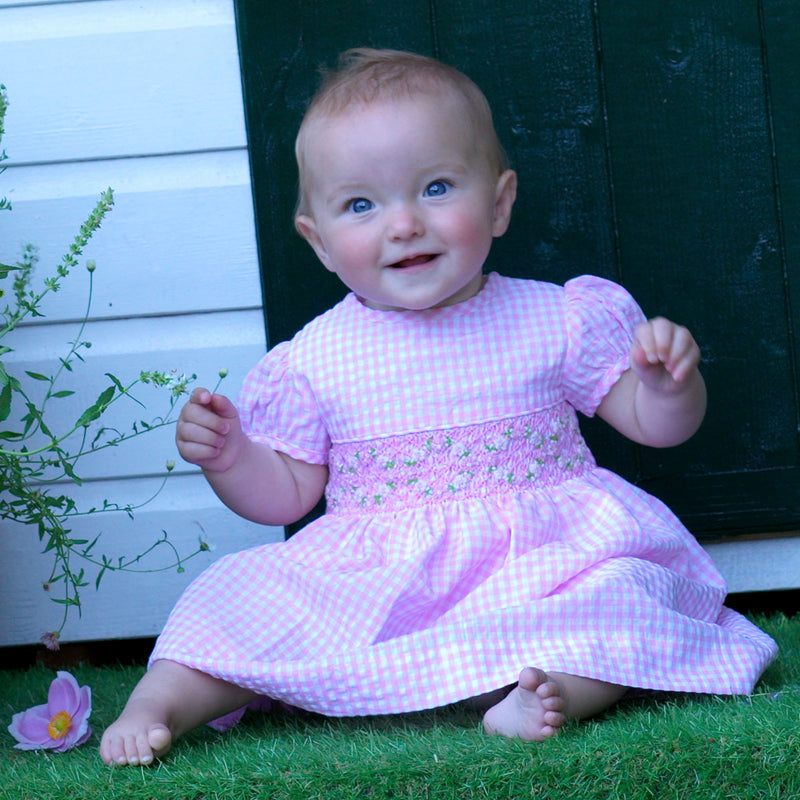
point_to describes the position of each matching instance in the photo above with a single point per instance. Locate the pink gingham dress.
(468, 530)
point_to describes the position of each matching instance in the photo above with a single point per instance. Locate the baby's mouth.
(416, 261)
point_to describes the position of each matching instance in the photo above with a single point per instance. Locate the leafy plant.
(37, 460)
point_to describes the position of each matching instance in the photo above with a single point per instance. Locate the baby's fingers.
(200, 396)
(654, 338)
(198, 444)
(189, 432)
(684, 356)
(677, 349)
(661, 342)
(202, 410)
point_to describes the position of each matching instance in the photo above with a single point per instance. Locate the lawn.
(663, 746)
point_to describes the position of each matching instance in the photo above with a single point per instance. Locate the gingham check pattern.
(421, 603)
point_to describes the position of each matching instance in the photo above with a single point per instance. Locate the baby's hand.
(208, 432)
(664, 355)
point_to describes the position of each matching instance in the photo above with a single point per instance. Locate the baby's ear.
(307, 228)
(505, 195)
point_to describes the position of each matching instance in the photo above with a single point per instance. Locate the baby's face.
(402, 203)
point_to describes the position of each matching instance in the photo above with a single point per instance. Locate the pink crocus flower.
(59, 724)
(50, 640)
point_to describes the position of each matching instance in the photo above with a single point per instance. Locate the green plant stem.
(55, 442)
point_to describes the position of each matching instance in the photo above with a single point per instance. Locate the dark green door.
(656, 144)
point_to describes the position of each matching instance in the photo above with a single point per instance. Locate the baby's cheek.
(355, 251)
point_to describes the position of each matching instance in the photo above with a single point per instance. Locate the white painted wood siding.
(143, 96)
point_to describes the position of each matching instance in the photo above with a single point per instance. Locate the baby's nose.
(405, 221)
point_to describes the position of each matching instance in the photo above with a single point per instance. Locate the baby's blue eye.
(359, 205)
(437, 189)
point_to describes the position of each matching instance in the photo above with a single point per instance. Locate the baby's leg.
(540, 704)
(170, 700)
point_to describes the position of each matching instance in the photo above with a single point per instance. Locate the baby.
(471, 547)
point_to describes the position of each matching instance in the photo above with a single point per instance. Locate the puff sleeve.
(277, 406)
(601, 318)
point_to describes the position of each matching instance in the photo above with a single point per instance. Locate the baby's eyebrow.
(346, 190)
(445, 167)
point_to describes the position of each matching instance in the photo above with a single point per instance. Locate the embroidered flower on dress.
(527, 452)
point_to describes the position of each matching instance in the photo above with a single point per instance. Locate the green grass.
(663, 747)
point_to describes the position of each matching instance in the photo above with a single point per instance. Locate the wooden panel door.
(656, 144)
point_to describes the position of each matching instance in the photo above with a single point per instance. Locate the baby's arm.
(661, 400)
(251, 478)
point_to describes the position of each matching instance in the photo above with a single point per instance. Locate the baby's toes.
(144, 753)
(111, 749)
(553, 702)
(532, 679)
(554, 719)
(132, 754)
(159, 740)
(549, 691)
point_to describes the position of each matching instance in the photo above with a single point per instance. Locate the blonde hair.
(364, 75)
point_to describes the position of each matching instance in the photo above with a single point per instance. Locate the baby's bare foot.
(138, 737)
(532, 711)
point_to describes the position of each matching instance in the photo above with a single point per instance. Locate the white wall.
(143, 96)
